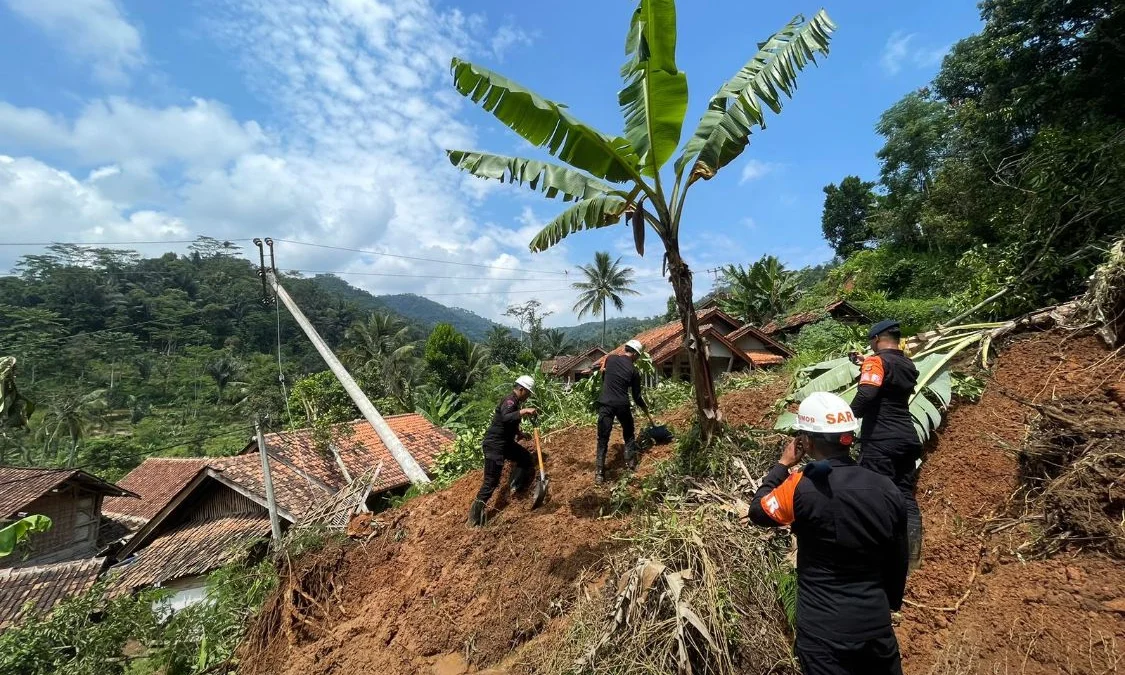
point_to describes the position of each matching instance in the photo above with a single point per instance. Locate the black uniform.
(850, 525)
(619, 379)
(888, 441)
(500, 445)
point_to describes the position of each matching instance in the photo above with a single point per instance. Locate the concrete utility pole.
(405, 460)
(267, 478)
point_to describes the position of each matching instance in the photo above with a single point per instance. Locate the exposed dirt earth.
(987, 599)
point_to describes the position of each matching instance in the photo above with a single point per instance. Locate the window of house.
(85, 519)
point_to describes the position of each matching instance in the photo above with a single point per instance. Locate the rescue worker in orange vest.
(850, 525)
(887, 439)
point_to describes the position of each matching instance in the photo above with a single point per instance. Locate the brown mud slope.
(754, 406)
(979, 604)
(425, 593)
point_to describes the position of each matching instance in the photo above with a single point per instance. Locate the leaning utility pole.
(401, 455)
(267, 479)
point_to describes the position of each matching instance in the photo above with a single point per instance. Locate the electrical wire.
(411, 257)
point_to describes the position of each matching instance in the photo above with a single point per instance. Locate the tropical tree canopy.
(760, 293)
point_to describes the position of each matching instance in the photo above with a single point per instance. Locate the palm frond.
(587, 214)
(550, 179)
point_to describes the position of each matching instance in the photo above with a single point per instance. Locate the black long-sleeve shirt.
(886, 381)
(619, 378)
(505, 426)
(852, 550)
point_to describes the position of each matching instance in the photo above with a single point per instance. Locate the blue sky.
(324, 121)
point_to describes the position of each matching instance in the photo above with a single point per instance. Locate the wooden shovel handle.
(538, 452)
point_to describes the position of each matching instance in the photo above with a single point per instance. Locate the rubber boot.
(599, 466)
(914, 534)
(631, 455)
(476, 513)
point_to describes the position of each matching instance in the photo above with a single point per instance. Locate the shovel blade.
(539, 495)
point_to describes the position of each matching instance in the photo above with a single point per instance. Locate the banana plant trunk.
(706, 405)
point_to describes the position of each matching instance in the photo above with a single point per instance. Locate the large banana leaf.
(839, 377)
(724, 130)
(547, 124)
(587, 214)
(13, 533)
(551, 179)
(655, 96)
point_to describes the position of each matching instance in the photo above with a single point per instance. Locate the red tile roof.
(563, 364)
(295, 492)
(36, 590)
(764, 358)
(21, 486)
(361, 450)
(191, 549)
(664, 342)
(157, 480)
(773, 346)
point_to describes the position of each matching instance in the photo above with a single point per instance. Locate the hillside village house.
(196, 514)
(731, 346)
(571, 369)
(67, 558)
(841, 310)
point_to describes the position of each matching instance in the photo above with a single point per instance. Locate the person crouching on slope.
(850, 525)
(619, 378)
(500, 445)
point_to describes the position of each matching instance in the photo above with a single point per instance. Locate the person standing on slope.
(887, 439)
(850, 525)
(500, 445)
(619, 379)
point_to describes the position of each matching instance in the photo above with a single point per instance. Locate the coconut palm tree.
(606, 281)
(556, 343)
(612, 176)
(73, 413)
(224, 370)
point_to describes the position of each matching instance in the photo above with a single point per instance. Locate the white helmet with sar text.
(825, 413)
(634, 345)
(527, 382)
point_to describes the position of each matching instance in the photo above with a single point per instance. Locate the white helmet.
(527, 382)
(825, 413)
(635, 345)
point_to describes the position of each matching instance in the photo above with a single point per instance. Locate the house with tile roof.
(841, 310)
(571, 369)
(218, 513)
(67, 558)
(731, 346)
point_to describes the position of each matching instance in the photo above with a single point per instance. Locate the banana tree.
(610, 177)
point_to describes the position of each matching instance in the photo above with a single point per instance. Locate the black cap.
(882, 327)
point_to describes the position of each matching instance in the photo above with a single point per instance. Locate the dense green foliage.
(92, 634)
(1003, 181)
(759, 293)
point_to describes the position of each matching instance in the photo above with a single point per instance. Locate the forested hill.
(428, 314)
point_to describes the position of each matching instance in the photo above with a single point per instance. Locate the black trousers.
(899, 462)
(494, 459)
(606, 415)
(878, 656)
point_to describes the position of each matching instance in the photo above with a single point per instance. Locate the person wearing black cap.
(888, 442)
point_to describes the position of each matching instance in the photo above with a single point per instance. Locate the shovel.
(657, 433)
(539, 495)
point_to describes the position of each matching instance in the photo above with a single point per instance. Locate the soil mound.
(985, 600)
(424, 593)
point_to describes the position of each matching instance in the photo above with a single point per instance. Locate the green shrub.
(915, 314)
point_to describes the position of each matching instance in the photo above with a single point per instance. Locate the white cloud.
(901, 50)
(506, 37)
(362, 92)
(93, 32)
(754, 169)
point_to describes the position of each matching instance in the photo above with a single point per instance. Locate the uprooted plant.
(1072, 466)
(699, 590)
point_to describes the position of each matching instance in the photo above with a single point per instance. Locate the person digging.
(888, 442)
(852, 556)
(500, 445)
(619, 378)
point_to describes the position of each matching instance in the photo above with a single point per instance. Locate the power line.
(411, 257)
(113, 243)
(427, 276)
